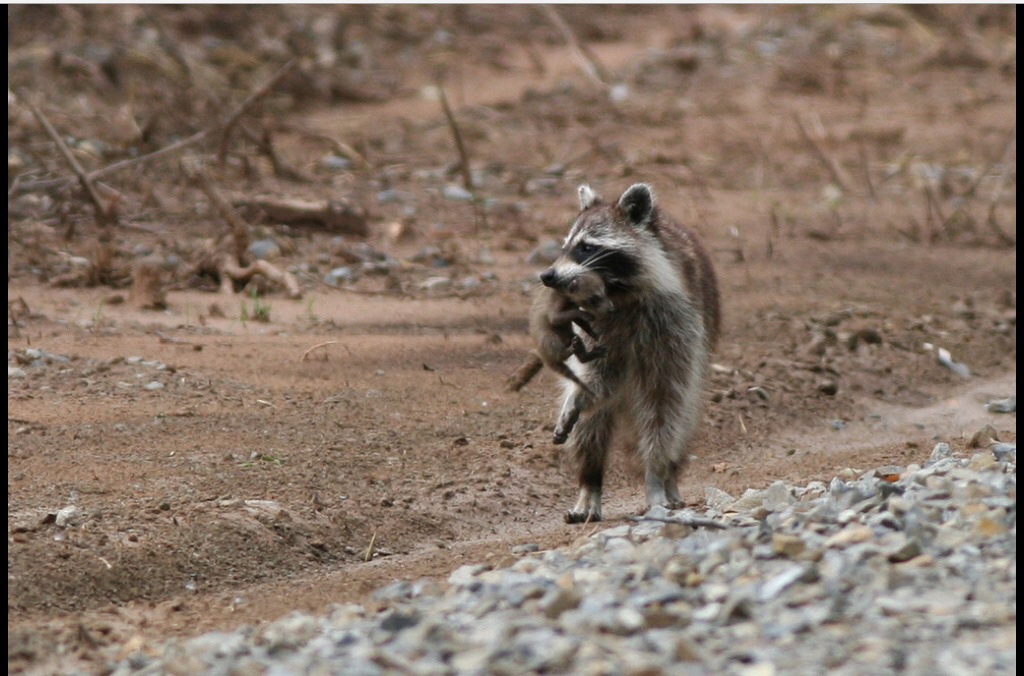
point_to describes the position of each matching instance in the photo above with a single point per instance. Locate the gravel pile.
(910, 570)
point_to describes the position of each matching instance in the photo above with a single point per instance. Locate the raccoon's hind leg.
(590, 441)
(662, 488)
(663, 452)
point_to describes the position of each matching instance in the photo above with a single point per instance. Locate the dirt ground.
(229, 458)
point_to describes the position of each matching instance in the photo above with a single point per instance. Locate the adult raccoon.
(649, 384)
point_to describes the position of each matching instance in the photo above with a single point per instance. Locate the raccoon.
(553, 315)
(551, 318)
(648, 388)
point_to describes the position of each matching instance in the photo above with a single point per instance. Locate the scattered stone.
(941, 451)
(828, 387)
(153, 386)
(435, 283)
(943, 356)
(863, 337)
(69, 517)
(1008, 405)
(1005, 452)
(904, 567)
(265, 249)
(984, 437)
(343, 275)
(457, 193)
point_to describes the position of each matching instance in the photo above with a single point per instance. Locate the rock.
(559, 600)
(343, 275)
(788, 546)
(716, 498)
(457, 193)
(265, 249)
(335, 163)
(1008, 405)
(984, 437)
(14, 373)
(290, 632)
(153, 386)
(1004, 452)
(828, 387)
(941, 451)
(69, 517)
(435, 283)
(850, 535)
(466, 575)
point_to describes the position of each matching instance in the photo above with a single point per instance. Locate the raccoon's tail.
(525, 373)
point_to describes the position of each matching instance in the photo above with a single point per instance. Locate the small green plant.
(260, 310)
(261, 459)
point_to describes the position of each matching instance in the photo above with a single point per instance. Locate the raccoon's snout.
(549, 278)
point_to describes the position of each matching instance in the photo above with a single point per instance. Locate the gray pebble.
(457, 193)
(887, 570)
(265, 249)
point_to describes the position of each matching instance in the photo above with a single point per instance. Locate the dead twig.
(866, 169)
(993, 224)
(340, 148)
(369, 548)
(239, 230)
(230, 266)
(315, 347)
(1009, 147)
(171, 149)
(586, 60)
(103, 213)
(692, 521)
(833, 168)
(265, 144)
(232, 120)
(15, 308)
(460, 146)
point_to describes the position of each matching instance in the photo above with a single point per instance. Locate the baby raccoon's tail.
(531, 366)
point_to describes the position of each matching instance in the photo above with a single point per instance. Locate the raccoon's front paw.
(581, 517)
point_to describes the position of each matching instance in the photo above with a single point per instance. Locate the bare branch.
(460, 146)
(830, 164)
(102, 213)
(228, 125)
(587, 61)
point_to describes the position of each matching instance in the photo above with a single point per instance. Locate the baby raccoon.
(553, 314)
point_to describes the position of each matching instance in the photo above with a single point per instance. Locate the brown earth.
(364, 434)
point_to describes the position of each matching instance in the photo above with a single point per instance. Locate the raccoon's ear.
(588, 197)
(637, 203)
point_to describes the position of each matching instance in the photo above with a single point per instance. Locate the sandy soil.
(364, 434)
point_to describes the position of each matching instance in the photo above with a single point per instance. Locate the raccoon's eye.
(586, 249)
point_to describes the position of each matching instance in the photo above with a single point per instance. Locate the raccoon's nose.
(549, 277)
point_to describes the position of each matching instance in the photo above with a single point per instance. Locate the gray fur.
(648, 388)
